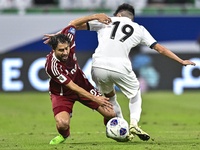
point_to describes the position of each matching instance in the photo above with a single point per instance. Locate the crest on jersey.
(62, 78)
(72, 30)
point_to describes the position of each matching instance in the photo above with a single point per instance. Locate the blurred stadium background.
(173, 23)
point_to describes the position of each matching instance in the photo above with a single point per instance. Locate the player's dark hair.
(125, 10)
(59, 38)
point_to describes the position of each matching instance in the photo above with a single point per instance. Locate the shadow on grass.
(142, 143)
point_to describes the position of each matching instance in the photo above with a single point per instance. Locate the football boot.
(57, 140)
(135, 130)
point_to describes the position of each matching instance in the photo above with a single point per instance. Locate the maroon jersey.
(61, 73)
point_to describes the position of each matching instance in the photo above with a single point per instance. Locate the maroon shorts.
(66, 103)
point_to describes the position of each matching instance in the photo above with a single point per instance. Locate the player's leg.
(135, 111)
(62, 117)
(129, 85)
(106, 86)
(113, 99)
(135, 107)
(62, 123)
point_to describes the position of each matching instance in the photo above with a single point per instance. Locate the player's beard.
(64, 58)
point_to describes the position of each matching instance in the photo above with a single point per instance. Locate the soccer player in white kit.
(111, 65)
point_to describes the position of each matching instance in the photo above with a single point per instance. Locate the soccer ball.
(117, 128)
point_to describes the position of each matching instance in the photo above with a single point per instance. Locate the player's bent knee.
(62, 124)
(62, 120)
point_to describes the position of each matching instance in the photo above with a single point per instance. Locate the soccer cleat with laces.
(135, 130)
(57, 140)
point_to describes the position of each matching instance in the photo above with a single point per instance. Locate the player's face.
(62, 51)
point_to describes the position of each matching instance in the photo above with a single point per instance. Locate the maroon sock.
(64, 133)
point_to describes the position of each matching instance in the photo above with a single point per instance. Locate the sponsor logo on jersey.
(72, 30)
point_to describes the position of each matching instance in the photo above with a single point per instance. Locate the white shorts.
(107, 79)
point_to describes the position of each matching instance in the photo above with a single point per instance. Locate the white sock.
(116, 106)
(135, 104)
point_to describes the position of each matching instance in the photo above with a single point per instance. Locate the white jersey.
(115, 42)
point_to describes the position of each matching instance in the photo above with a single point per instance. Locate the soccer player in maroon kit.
(67, 81)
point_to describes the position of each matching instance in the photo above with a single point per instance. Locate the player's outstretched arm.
(80, 23)
(101, 100)
(166, 52)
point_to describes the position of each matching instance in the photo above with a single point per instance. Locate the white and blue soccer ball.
(117, 128)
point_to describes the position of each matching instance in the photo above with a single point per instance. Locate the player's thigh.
(62, 103)
(63, 111)
(127, 83)
(101, 78)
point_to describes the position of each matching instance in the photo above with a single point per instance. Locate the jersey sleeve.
(70, 31)
(55, 72)
(95, 25)
(147, 39)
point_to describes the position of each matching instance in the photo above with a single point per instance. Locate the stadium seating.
(149, 10)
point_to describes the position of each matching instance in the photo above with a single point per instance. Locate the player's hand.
(188, 62)
(103, 18)
(104, 102)
(47, 38)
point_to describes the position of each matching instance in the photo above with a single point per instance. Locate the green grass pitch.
(27, 123)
